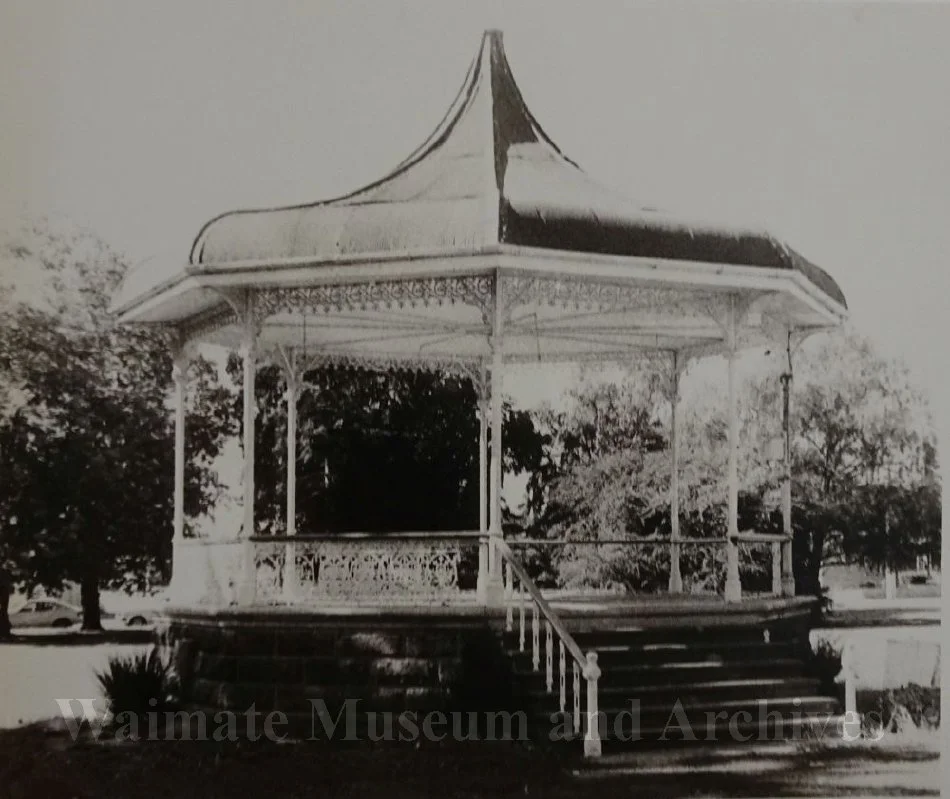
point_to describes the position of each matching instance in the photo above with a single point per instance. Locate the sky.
(825, 123)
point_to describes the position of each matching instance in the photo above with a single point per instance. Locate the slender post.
(535, 638)
(248, 590)
(733, 587)
(549, 655)
(494, 589)
(180, 377)
(592, 744)
(562, 675)
(291, 394)
(576, 694)
(851, 725)
(521, 622)
(776, 568)
(676, 579)
(483, 545)
(788, 575)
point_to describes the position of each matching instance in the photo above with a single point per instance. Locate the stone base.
(305, 664)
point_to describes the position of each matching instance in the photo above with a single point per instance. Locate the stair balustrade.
(583, 665)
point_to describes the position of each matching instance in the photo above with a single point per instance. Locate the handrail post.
(592, 742)
(247, 591)
(549, 655)
(562, 677)
(776, 568)
(535, 637)
(852, 720)
(509, 598)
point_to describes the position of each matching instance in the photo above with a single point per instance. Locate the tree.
(862, 438)
(88, 457)
(377, 451)
(859, 429)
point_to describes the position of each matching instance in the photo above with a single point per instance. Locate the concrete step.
(657, 654)
(734, 635)
(679, 672)
(736, 721)
(698, 692)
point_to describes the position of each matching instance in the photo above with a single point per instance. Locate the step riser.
(611, 697)
(687, 722)
(624, 675)
(791, 729)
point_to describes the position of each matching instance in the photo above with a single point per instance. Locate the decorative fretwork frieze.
(590, 295)
(207, 322)
(475, 290)
(393, 571)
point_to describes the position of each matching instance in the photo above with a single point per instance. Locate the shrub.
(138, 684)
(919, 704)
(824, 663)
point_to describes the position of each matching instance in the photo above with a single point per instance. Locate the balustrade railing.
(404, 567)
(520, 593)
(702, 561)
(394, 568)
(439, 568)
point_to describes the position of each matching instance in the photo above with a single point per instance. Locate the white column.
(788, 576)
(291, 394)
(494, 588)
(483, 548)
(180, 378)
(733, 587)
(676, 579)
(248, 590)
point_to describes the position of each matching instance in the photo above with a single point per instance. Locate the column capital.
(293, 387)
(182, 356)
(248, 349)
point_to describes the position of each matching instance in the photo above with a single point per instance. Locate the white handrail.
(583, 664)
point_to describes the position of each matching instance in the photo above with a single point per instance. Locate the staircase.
(690, 684)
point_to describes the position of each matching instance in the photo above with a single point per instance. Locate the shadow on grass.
(881, 617)
(39, 767)
(133, 635)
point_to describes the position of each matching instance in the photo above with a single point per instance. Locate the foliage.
(865, 482)
(824, 663)
(87, 453)
(921, 704)
(377, 451)
(138, 684)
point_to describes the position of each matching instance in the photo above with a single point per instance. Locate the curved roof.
(487, 175)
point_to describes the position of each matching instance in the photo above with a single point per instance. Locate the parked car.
(46, 612)
(142, 617)
(139, 611)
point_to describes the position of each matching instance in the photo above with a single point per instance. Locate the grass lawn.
(40, 667)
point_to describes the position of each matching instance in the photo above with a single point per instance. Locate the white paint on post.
(494, 589)
(733, 591)
(180, 377)
(776, 568)
(592, 742)
(788, 575)
(249, 355)
(676, 579)
(292, 393)
(483, 548)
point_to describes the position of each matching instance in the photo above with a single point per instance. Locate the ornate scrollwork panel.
(587, 294)
(475, 290)
(396, 571)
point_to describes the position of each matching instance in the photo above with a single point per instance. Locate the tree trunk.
(890, 583)
(89, 595)
(6, 632)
